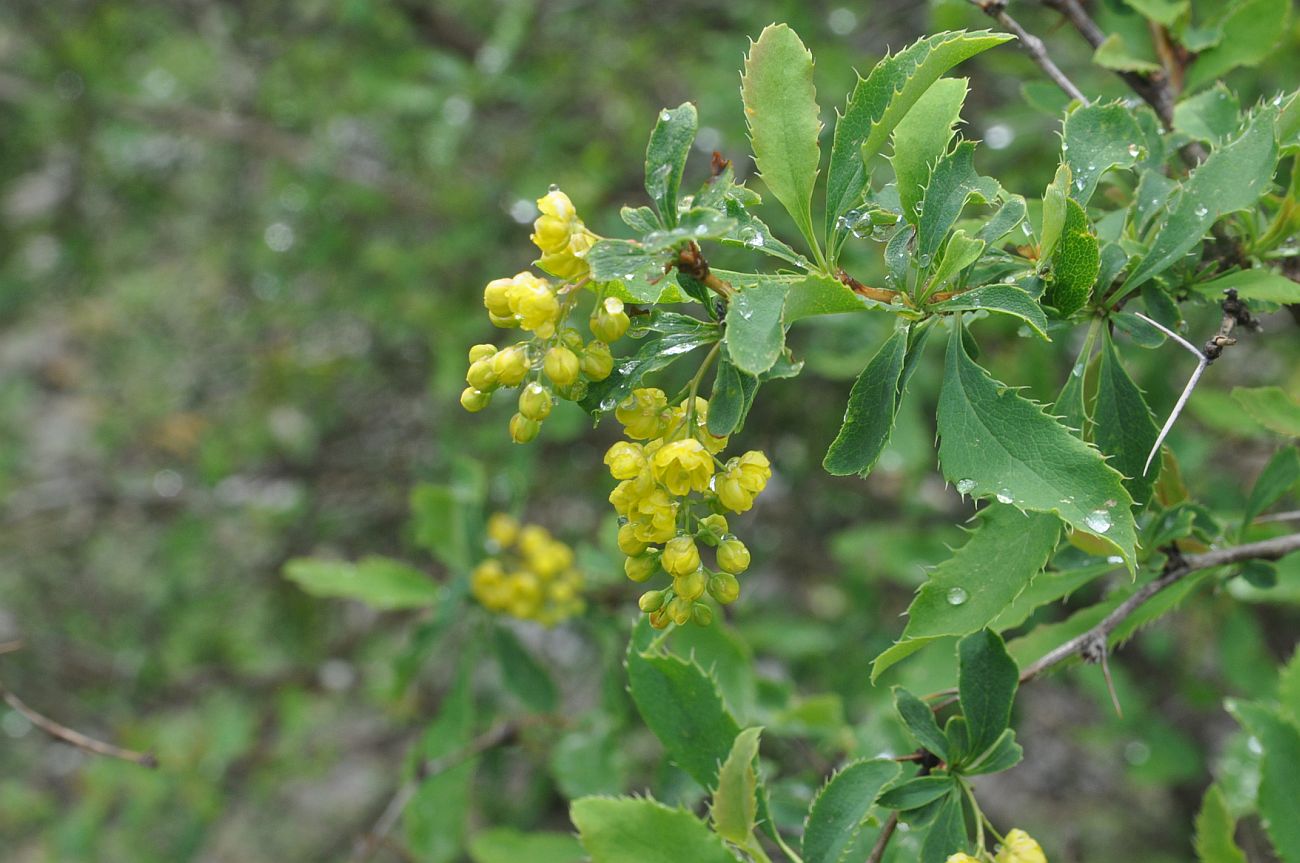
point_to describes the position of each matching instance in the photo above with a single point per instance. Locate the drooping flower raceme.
(530, 574)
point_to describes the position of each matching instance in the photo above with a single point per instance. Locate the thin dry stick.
(10, 646)
(378, 835)
(1201, 362)
(886, 833)
(1094, 643)
(1034, 47)
(76, 738)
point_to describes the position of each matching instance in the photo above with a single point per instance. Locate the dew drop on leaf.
(965, 486)
(956, 596)
(1004, 495)
(1098, 520)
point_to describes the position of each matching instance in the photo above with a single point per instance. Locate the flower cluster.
(531, 576)
(555, 361)
(669, 460)
(1018, 847)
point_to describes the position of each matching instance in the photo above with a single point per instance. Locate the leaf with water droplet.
(755, 334)
(665, 158)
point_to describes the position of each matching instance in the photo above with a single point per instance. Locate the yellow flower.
(681, 557)
(535, 401)
(642, 412)
(561, 366)
(733, 557)
(510, 365)
(655, 516)
(677, 422)
(534, 302)
(609, 321)
(1020, 847)
(683, 466)
(502, 529)
(724, 587)
(550, 558)
(486, 582)
(628, 542)
(481, 376)
(557, 205)
(629, 491)
(496, 297)
(641, 567)
(597, 362)
(690, 585)
(474, 400)
(551, 233)
(481, 352)
(625, 459)
(522, 429)
(742, 480)
(961, 857)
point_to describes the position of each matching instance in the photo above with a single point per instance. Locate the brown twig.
(1094, 644)
(10, 646)
(880, 295)
(76, 738)
(886, 833)
(692, 262)
(1033, 46)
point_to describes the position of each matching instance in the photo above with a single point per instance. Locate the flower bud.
(683, 466)
(629, 543)
(557, 204)
(724, 588)
(474, 400)
(701, 614)
(641, 413)
(523, 429)
(690, 586)
(561, 366)
(597, 362)
(574, 392)
(481, 352)
(641, 567)
(504, 322)
(712, 529)
(496, 297)
(502, 529)
(510, 365)
(961, 857)
(681, 556)
(625, 459)
(659, 619)
(733, 556)
(651, 600)
(679, 610)
(1020, 847)
(551, 233)
(535, 401)
(481, 376)
(571, 339)
(609, 322)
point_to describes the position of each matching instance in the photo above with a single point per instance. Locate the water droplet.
(1098, 520)
(1064, 147)
(956, 596)
(665, 116)
(554, 187)
(1134, 150)
(1201, 211)
(608, 403)
(1077, 371)
(965, 486)
(1114, 559)
(923, 261)
(1024, 227)
(1004, 495)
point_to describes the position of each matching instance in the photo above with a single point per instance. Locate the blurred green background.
(242, 248)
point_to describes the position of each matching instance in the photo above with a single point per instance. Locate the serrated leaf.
(665, 158)
(643, 220)
(1271, 407)
(994, 442)
(870, 412)
(1260, 285)
(1232, 178)
(876, 106)
(681, 705)
(1153, 192)
(1210, 116)
(1251, 31)
(1097, 138)
(1114, 53)
(755, 335)
(947, 831)
(997, 563)
(752, 232)
(1075, 263)
(1002, 299)
(380, 582)
(636, 272)
(922, 137)
(1278, 477)
(821, 295)
(1166, 12)
(920, 722)
(629, 830)
(524, 676)
(953, 183)
(508, 845)
(916, 792)
(1279, 781)
(734, 805)
(782, 115)
(961, 251)
(1004, 221)
(1004, 754)
(1054, 211)
(987, 679)
(1122, 425)
(841, 806)
(1215, 827)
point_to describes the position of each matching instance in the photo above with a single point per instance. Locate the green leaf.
(922, 137)
(1166, 12)
(841, 806)
(1097, 138)
(755, 333)
(1054, 211)
(1279, 781)
(752, 232)
(665, 158)
(1004, 754)
(508, 845)
(1232, 178)
(636, 273)
(987, 679)
(782, 115)
(524, 676)
(1002, 299)
(643, 220)
(380, 582)
(733, 392)
(1278, 477)
(1215, 827)
(994, 443)
(920, 722)
(655, 352)
(869, 415)
(821, 295)
(1260, 285)
(681, 705)
(434, 820)
(953, 183)
(1271, 407)
(1251, 31)
(961, 251)
(879, 102)
(628, 830)
(967, 591)
(1115, 54)
(1122, 424)
(444, 517)
(947, 832)
(734, 806)
(1075, 263)
(1210, 116)
(915, 793)
(1009, 215)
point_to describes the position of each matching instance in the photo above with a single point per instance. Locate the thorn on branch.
(880, 295)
